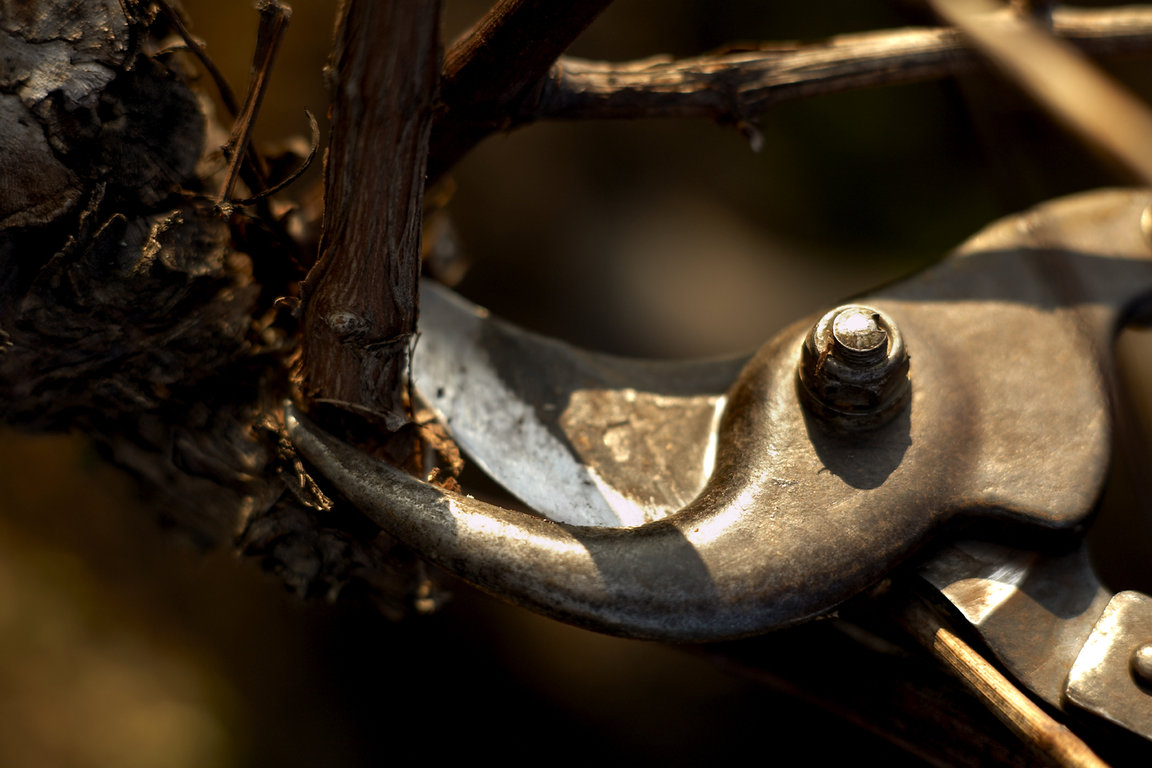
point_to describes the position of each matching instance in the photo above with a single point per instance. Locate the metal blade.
(581, 438)
(1110, 677)
(1008, 421)
(1034, 611)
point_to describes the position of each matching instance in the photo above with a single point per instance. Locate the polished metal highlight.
(1000, 418)
(853, 370)
(1141, 663)
(1102, 681)
(581, 437)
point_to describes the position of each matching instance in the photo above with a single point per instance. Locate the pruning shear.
(959, 421)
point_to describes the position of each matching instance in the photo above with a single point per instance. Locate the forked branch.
(738, 85)
(497, 65)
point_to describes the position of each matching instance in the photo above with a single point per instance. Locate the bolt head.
(853, 371)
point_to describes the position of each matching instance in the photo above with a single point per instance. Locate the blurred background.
(122, 646)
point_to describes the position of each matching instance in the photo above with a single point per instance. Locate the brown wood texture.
(360, 299)
(740, 84)
(497, 65)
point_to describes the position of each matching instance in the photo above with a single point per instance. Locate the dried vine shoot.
(170, 328)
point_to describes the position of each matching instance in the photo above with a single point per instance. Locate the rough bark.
(134, 310)
(125, 303)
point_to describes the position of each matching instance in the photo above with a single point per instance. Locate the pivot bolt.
(853, 370)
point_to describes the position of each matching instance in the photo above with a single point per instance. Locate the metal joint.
(853, 370)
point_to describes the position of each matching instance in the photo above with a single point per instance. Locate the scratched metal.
(1102, 679)
(1034, 611)
(582, 438)
(1008, 422)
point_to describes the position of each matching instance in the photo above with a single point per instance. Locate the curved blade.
(582, 438)
(1008, 421)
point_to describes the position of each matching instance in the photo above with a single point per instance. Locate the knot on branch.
(348, 326)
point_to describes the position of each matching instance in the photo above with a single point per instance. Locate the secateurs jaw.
(977, 390)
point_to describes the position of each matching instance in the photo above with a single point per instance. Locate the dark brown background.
(119, 645)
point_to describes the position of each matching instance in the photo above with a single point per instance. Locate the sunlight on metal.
(713, 436)
(629, 512)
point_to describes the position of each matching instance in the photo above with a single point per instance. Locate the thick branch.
(499, 63)
(739, 85)
(361, 297)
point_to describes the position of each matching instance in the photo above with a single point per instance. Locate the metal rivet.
(1142, 663)
(853, 369)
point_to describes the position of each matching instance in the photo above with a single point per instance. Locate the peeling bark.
(132, 309)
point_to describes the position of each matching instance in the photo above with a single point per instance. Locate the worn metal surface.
(1034, 611)
(583, 438)
(1142, 664)
(1103, 679)
(1009, 420)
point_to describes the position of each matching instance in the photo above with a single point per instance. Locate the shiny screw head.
(858, 337)
(1142, 664)
(853, 370)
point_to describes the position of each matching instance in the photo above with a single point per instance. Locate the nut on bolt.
(854, 368)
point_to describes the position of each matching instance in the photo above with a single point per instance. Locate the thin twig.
(496, 65)
(305, 164)
(736, 86)
(739, 84)
(274, 17)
